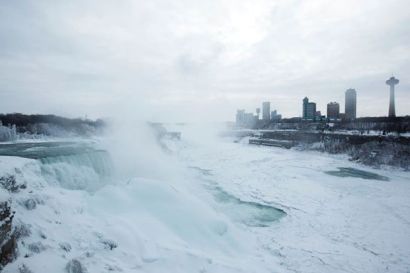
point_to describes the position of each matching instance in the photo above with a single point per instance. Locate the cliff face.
(373, 153)
(9, 232)
(7, 236)
(372, 150)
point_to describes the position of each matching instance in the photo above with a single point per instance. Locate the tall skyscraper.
(392, 82)
(304, 111)
(350, 104)
(333, 110)
(266, 110)
(309, 109)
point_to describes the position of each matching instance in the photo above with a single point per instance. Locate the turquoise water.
(246, 212)
(249, 213)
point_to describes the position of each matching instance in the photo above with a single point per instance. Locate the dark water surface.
(352, 172)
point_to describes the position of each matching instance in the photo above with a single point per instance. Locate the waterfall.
(89, 170)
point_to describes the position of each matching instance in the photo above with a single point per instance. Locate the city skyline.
(310, 111)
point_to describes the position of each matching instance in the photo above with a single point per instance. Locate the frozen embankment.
(72, 214)
(373, 150)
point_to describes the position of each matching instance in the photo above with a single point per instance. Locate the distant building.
(319, 116)
(240, 117)
(258, 112)
(309, 109)
(350, 104)
(266, 110)
(333, 111)
(249, 120)
(245, 120)
(273, 113)
(274, 116)
(392, 82)
(304, 111)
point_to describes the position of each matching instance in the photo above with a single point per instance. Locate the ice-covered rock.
(7, 236)
(22, 230)
(65, 246)
(24, 269)
(109, 244)
(36, 247)
(75, 266)
(9, 183)
(30, 204)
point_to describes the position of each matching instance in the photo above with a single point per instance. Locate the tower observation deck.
(392, 82)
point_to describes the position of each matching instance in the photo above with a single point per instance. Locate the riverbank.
(370, 149)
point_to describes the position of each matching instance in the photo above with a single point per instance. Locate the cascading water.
(86, 171)
(72, 165)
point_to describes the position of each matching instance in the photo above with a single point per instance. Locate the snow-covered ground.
(333, 224)
(208, 205)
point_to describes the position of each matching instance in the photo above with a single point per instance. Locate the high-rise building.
(275, 116)
(392, 82)
(309, 109)
(258, 112)
(350, 104)
(333, 111)
(304, 111)
(266, 110)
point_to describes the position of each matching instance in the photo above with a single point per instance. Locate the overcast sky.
(201, 60)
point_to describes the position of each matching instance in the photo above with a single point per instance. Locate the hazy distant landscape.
(19, 127)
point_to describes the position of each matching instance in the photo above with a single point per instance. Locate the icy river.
(204, 204)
